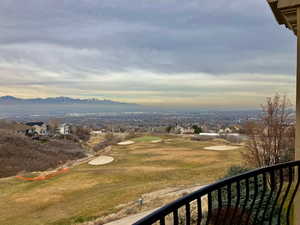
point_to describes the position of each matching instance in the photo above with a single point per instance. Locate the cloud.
(163, 49)
(198, 90)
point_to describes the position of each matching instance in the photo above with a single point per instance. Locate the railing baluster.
(209, 208)
(285, 195)
(199, 210)
(254, 199)
(245, 201)
(294, 194)
(219, 205)
(277, 195)
(175, 217)
(256, 217)
(188, 213)
(272, 182)
(162, 221)
(238, 198)
(228, 208)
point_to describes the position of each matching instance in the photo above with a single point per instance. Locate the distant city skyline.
(173, 53)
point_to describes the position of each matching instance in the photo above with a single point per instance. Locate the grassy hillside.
(20, 153)
(87, 192)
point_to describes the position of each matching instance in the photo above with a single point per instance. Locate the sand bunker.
(126, 143)
(101, 160)
(222, 148)
(156, 141)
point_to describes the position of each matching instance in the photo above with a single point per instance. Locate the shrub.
(235, 170)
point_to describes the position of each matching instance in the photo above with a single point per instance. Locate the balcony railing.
(263, 196)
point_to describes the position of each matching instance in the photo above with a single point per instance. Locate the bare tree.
(81, 132)
(272, 137)
(53, 125)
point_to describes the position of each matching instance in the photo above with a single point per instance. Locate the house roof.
(35, 124)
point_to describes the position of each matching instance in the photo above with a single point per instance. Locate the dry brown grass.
(148, 168)
(88, 192)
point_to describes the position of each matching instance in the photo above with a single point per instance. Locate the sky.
(183, 53)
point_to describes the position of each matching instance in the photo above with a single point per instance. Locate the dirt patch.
(44, 177)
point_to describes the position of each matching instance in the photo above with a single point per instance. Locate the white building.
(64, 129)
(184, 130)
(209, 134)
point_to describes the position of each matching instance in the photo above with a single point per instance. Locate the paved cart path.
(129, 220)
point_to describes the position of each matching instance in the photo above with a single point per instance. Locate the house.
(221, 131)
(96, 132)
(64, 129)
(37, 128)
(226, 130)
(184, 130)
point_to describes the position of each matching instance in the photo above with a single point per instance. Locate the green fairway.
(146, 139)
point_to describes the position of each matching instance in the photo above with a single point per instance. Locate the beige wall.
(297, 146)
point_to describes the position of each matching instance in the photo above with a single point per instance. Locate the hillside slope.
(19, 153)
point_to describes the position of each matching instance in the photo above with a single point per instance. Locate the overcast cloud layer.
(179, 52)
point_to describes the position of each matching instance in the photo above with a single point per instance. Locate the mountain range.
(59, 100)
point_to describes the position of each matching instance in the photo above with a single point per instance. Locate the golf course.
(87, 192)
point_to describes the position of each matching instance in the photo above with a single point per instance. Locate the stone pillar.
(297, 145)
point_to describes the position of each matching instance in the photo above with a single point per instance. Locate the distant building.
(221, 131)
(205, 136)
(37, 128)
(209, 134)
(64, 129)
(95, 132)
(226, 130)
(184, 130)
(236, 128)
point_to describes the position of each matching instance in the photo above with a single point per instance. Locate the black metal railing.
(262, 196)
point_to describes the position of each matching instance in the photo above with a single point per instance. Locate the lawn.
(146, 139)
(87, 192)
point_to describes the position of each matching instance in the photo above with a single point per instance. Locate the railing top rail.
(209, 188)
